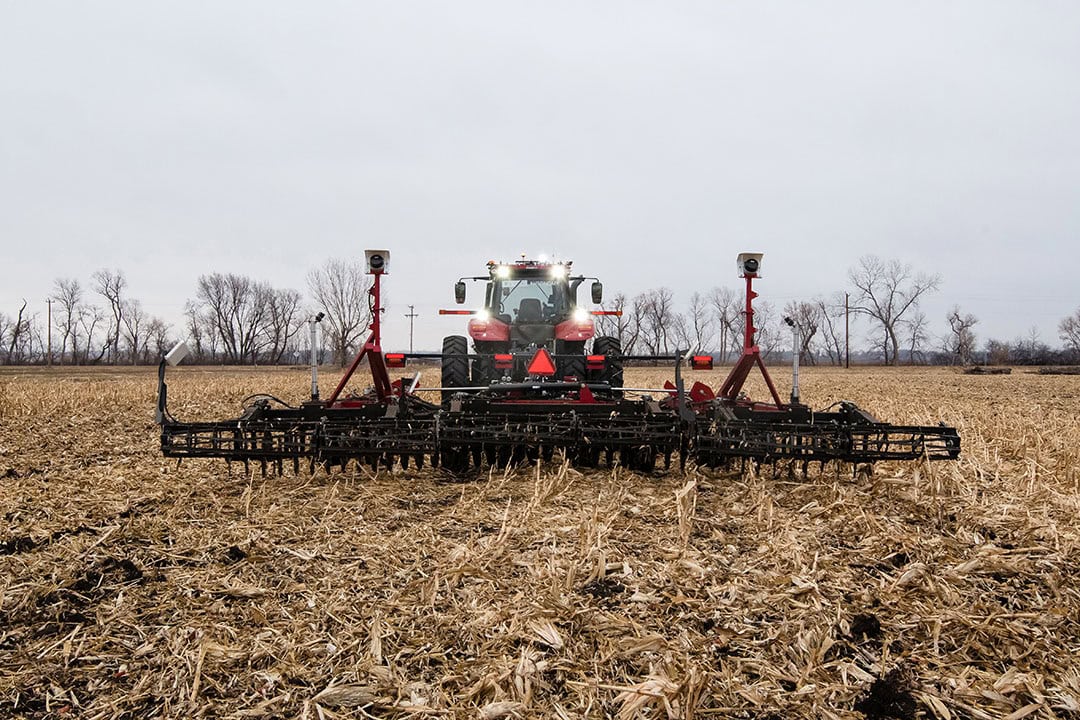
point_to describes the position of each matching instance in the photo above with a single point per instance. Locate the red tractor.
(530, 305)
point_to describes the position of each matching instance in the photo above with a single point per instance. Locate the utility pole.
(48, 353)
(411, 314)
(847, 332)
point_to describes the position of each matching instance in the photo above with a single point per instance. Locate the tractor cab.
(529, 300)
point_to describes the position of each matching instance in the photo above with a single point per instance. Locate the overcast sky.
(648, 142)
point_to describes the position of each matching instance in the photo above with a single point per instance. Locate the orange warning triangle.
(541, 364)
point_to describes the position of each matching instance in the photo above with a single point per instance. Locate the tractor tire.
(574, 363)
(484, 371)
(455, 365)
(612, 373)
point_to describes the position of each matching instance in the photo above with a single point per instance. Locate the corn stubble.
(131, 587)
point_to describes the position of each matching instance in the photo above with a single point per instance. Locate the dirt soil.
(134, 588)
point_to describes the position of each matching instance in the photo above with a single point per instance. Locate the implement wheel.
(455, 365)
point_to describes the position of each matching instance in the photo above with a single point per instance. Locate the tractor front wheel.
(455, 365)
(484, 371)
(571, 361)
(611, 349)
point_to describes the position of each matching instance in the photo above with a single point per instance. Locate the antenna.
(411, 314)
(313, 326)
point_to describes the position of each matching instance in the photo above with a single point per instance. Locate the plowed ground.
(130, 587)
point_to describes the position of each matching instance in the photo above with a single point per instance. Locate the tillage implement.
(537, 384)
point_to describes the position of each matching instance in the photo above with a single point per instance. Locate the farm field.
(133, 587)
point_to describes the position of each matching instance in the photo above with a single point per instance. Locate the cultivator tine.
(481, 433)
(824, 442)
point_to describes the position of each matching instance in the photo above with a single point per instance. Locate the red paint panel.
(574, 331)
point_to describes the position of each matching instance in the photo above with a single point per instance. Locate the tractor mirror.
(597, 292)
(459, 292)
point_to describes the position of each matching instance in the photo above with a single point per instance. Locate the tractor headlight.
(502, 272)
(580, 315)
(482, 315)
(558, 271)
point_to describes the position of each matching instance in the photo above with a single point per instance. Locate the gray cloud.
(648, 142)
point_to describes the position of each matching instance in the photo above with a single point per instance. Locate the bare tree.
(700, 322)
(1069, 332)
(887, 291)
(90, 316)
(17, 330)
(200, 329)
(727, 310)
(135, 321)
(918, 329)
(1030, 350)
(110, 285)
(658, 320)
(636, 324)
(5, 325)
(157, 332)
(340, 288)
(238, 307)
(282, 323)
(682, 332)
(808, 317)
(960, 344)
(831, 312)
(68, 293)
(997, 352)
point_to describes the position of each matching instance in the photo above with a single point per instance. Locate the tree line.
(232, 319)
(235, 319)
(886, 300)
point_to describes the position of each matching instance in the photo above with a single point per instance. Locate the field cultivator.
(529, 391)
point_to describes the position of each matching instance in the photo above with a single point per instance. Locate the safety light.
(504, 361)
(701, 362)
(395, 360)
(542, 364)
(595, 362)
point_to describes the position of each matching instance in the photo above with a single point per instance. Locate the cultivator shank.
(717, 442)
